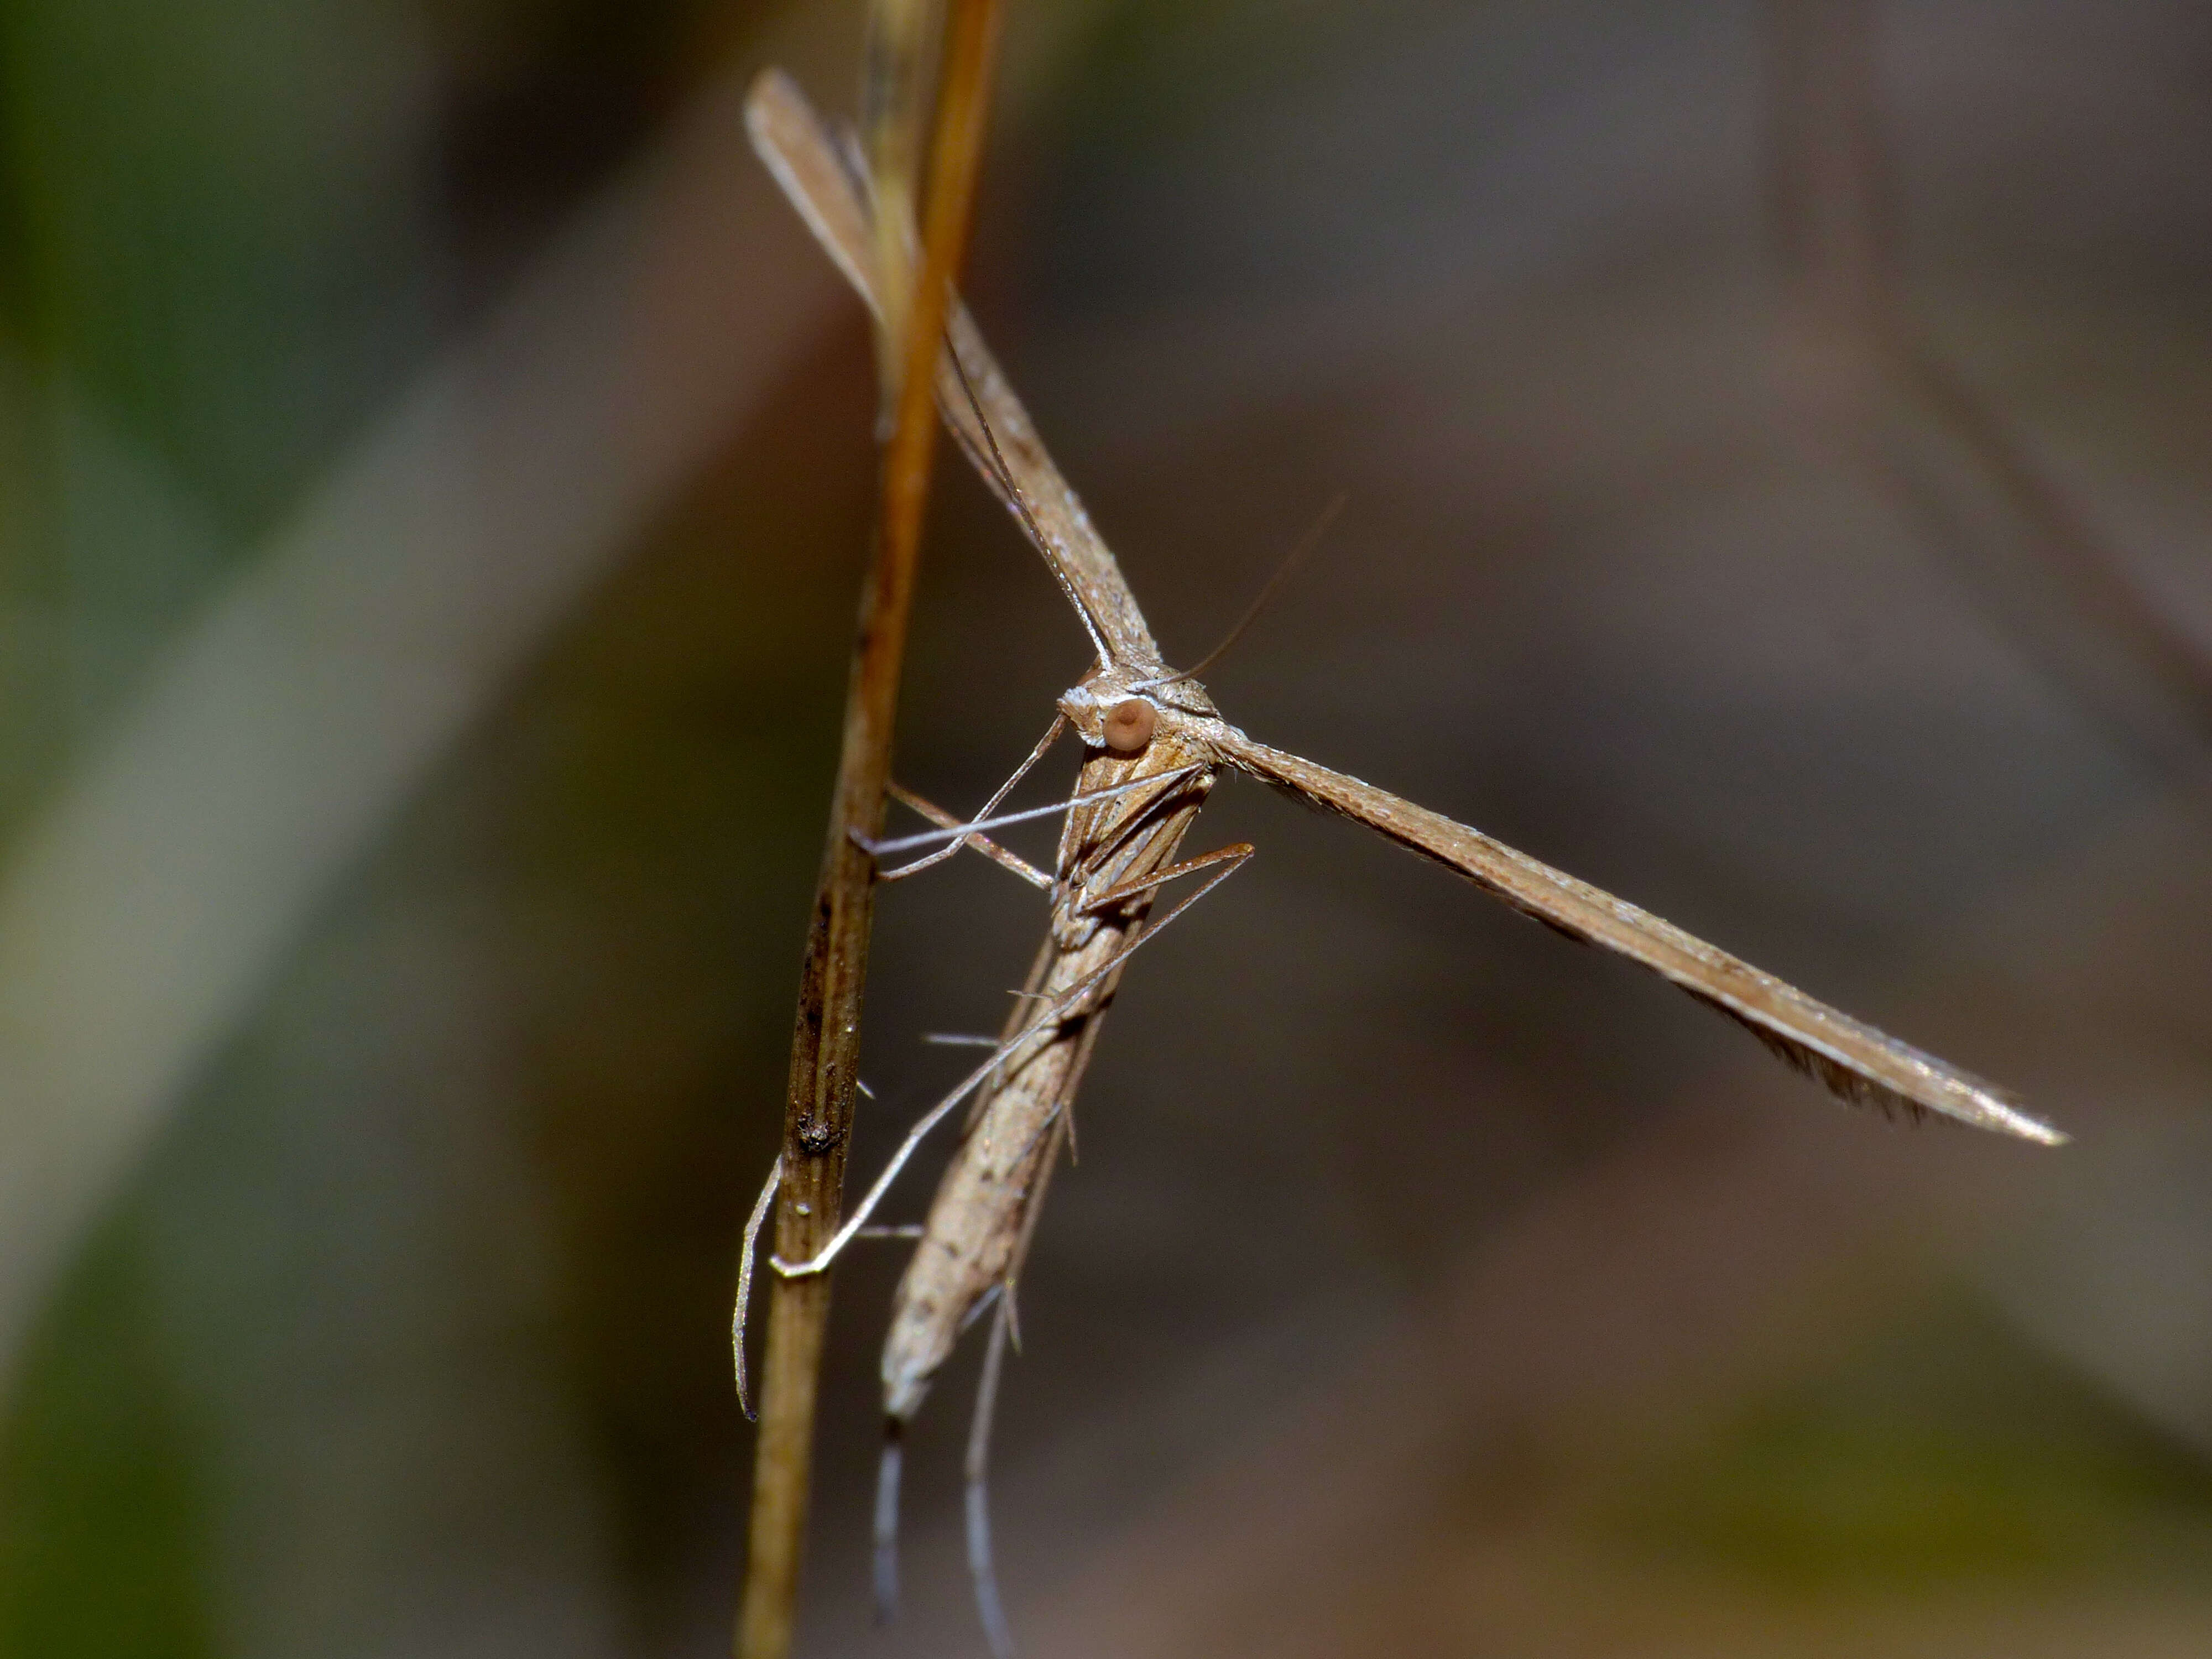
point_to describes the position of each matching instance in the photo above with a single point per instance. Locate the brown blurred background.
(436, 470)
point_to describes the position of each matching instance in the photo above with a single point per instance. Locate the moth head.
(1109, 712)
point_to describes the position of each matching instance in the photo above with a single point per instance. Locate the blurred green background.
(434, 470)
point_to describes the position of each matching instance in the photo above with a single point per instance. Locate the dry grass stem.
(825, 1039)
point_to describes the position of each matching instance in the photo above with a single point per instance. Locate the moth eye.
(1129, 725)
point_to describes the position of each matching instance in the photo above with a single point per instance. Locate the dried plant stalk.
(825, 1040)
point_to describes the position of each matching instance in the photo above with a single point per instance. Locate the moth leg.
(1047, 1016)
(984, 844)
(945, 822)
(886, 1565)
(746, 1252)
(856, 1223)
(993, 1614)
(746, 1283)
(960, 832)
(1233, 855)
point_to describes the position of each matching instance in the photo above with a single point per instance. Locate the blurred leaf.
(1945, 1450)
(101, 1513)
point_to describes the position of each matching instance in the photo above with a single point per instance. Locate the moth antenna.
(984, 1303)
(996, 1633)
(887, 1517)
(1306, 543)
(1005, 475)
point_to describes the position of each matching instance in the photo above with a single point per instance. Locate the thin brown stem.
(825, 1039)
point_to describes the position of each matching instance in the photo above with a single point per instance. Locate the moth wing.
(980, 408)
(1858, 1062)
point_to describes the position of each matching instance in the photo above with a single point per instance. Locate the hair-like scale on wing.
(1852, 1087)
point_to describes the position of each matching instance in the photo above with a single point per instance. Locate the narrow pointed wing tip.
(776, 106)
(1887, 1075)
(1984, 1109)
(2000, 1113)
(772, 101)
(2034, 1129)
(1986, 1106)
(771, 86)
(1971, 1102)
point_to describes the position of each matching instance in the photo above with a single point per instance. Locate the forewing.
(1857, 1061)
(1000, 440)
